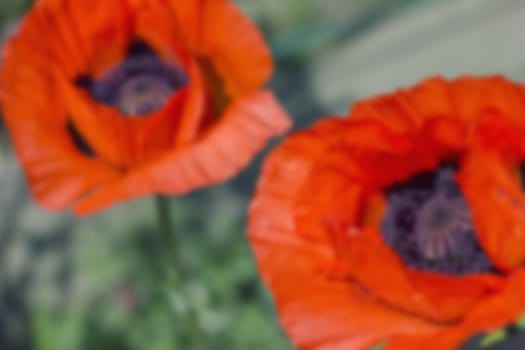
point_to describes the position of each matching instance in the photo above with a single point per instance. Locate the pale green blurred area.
(92, 283)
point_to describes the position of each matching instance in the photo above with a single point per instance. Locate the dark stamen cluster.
(429, 224)
(139, 85)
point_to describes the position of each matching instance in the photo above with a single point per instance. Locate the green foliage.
(493, 338)
(125, 303)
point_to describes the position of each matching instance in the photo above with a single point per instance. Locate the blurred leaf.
(57, 331)
(493, 338)
(379, 346)
(521, 322)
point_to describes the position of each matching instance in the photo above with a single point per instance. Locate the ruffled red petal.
(488, 315)
(435, 297)
(87, 43)
(154, 24)
(217, 29)
(463, 100)
(244, 129)
(498, 206)
(45, 149)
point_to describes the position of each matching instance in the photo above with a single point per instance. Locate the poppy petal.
(57, 170)
(337, 315)
(154, 25)
(408, 109)
(193, 114)
(473, 97)
(217, 29)
(106, 34)
(244, 128)
(93, 45)
(498, 206)
(437, 298)
(489, 315)
(53, 175)
(104, 126)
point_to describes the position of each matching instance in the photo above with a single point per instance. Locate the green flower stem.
(167, 231)
(175, 270)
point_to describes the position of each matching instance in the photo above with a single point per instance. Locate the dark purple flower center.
(429, 224)
(141, 84)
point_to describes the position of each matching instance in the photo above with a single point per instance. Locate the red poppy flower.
(111, 100)
(403, 223)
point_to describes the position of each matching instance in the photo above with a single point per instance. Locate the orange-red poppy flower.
(403, 223)
(111, 100)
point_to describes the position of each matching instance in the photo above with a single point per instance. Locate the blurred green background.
(93, 283)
